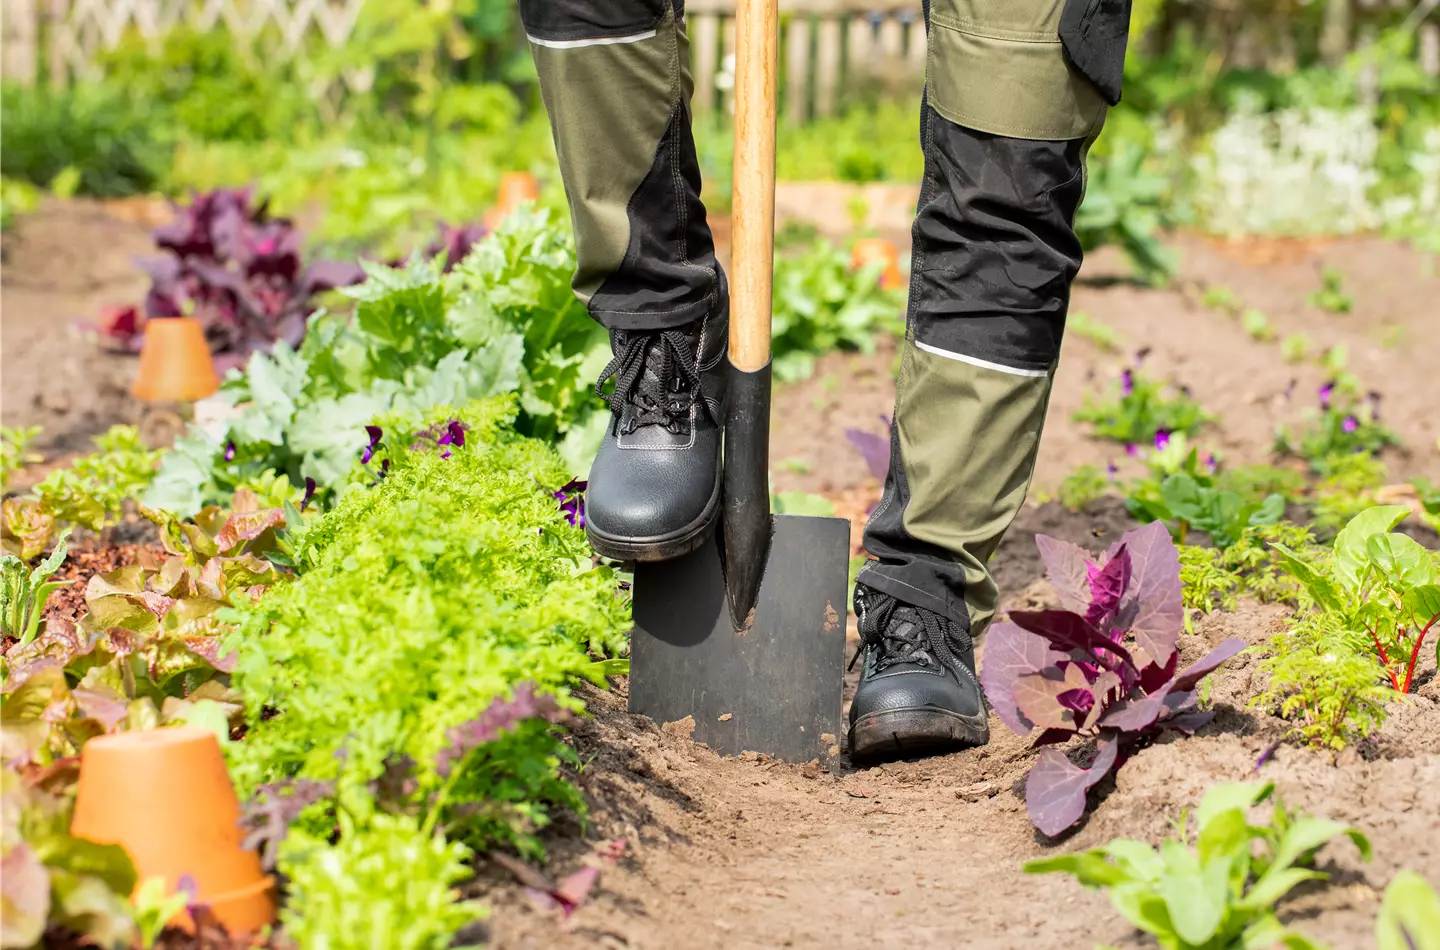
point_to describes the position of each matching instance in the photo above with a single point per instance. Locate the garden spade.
(745, 637)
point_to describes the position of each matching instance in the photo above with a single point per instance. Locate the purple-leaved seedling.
(1102, 669)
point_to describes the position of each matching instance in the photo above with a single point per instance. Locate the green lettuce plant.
(15, 452)
(54, 878)
(24, 591)
(1409, 915)
(92, 490)
(1216, 889)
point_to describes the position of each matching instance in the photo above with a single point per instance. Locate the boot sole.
(915, 729)
(663, 547)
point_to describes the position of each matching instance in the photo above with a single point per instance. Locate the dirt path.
(61, 265)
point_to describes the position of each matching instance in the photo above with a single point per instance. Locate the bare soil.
(746, 852)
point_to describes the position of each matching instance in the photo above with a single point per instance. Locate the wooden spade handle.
(752, 254)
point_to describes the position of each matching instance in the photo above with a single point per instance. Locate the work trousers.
(1015, 93)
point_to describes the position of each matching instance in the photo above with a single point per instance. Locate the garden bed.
(744, 851)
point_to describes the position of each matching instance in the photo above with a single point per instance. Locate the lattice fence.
(828, 46)
(72, 33)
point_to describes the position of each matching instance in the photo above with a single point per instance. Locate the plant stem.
(1384, 659)
(1415, 652)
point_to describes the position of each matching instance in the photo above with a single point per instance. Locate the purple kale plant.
(1103, 669)
(239, 271)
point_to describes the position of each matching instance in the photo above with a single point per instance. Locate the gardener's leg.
(1015, 94)
(615, 78)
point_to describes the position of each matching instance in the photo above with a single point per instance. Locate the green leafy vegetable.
(1218, 889)
(23, 592)
(822, 305)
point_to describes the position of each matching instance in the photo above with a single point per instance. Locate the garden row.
(371, 586)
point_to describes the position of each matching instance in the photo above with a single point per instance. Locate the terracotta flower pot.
(516, 188)
(175, 362)
(165, 797)
(878, 250)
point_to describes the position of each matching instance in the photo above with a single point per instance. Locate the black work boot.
(654, 489)
(918, 690)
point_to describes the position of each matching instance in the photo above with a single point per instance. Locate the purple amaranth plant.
(1102, 669)
(1162, 439)
(453, 241)
(267, 817)
(238, 271)
(499, 717)
(572, 501)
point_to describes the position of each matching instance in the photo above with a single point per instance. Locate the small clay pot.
(175, 362)
(165, 797)
(516, 188)
(878, 250)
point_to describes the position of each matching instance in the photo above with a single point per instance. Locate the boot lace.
(663, 396)
(900, 633)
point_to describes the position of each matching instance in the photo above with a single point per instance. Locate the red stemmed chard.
(1102, 669)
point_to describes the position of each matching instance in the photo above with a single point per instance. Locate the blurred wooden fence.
(827, 46)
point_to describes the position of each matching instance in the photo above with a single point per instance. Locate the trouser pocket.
(1094, 34)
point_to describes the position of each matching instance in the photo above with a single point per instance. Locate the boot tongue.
(906, 643)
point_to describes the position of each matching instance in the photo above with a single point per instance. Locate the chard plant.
(1215, 888)
(1379, 584)
(1140, 408)
(1104, 669)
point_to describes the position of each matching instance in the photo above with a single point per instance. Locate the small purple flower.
(376, 434)
(1132, 450)
(1210, 463)
(1373, 398)
(572, 501)
(1112, 470)
(1162, 439)
(309, 492)
(230, 451)
(1350, 424)
(1141, 354)
(1325, 392)
(1127, 383)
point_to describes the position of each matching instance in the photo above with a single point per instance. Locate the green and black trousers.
(1015, 93)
